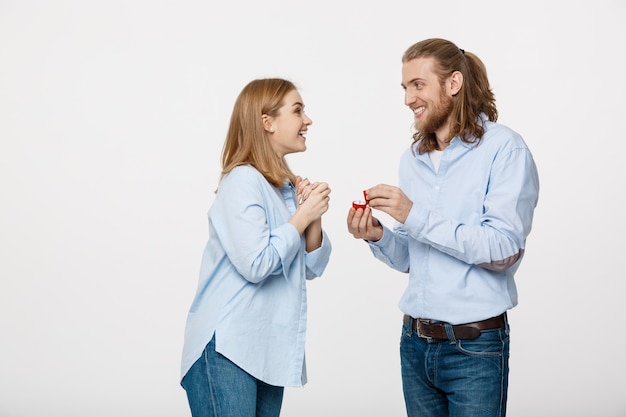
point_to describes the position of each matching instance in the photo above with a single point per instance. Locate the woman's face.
(289, 128)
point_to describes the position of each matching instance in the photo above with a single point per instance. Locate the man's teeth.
(419, 110)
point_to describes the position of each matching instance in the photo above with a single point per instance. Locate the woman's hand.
(313, 201)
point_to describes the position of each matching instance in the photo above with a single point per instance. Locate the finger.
(349, 218)
(304, 182)
(364, 221)
(354, 217)
(370, 221)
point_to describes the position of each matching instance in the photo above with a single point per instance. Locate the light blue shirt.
(465, 236)
(252, 288)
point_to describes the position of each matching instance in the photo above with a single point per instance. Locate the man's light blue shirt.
(465, 236)
(252, 288)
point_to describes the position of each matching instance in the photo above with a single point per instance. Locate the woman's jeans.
(216, 387)
(455, 378)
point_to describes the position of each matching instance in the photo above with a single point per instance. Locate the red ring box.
(359, 204)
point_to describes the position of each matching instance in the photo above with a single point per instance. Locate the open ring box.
(360, 204)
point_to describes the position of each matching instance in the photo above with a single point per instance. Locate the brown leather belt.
(436, 330)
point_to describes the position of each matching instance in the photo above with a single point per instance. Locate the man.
(468, 187)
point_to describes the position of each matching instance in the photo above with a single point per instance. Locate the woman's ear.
(267, 123)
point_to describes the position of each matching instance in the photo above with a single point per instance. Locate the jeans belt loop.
(450, 332)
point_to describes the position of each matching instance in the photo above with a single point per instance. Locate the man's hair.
(474, 97)
(247, 142)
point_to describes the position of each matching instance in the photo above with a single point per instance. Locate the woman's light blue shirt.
(464, 238)
(252, 287)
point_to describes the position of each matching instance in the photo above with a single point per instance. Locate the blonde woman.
(245, 332)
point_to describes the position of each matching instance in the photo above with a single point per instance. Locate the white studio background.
(112, 119)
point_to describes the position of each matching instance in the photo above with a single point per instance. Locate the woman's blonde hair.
(247, 142)
(474, 98)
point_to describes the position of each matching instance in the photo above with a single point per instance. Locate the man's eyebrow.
(412, 81)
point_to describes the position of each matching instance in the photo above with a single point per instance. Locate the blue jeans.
(216, 387)
(455, 378)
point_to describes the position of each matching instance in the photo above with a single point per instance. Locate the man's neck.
(443, 137)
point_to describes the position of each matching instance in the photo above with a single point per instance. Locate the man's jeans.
(216, 387)
(455, 378)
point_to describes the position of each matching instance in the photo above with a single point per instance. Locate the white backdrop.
(112, 119)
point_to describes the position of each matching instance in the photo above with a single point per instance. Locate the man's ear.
(455, 82)
(267, 123)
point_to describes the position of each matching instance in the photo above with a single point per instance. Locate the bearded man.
(468, 188)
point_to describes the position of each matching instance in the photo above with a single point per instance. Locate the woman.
(245, 333)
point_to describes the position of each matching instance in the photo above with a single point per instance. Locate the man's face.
(424, 95)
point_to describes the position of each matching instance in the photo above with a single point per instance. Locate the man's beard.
(438, 116)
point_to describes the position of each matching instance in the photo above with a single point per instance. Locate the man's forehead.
(418, 68)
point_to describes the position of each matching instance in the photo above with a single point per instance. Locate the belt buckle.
(417, 328)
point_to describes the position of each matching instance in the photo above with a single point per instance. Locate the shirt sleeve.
(498, 239)
(317, 260)
(240, 216)
(392, 249)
